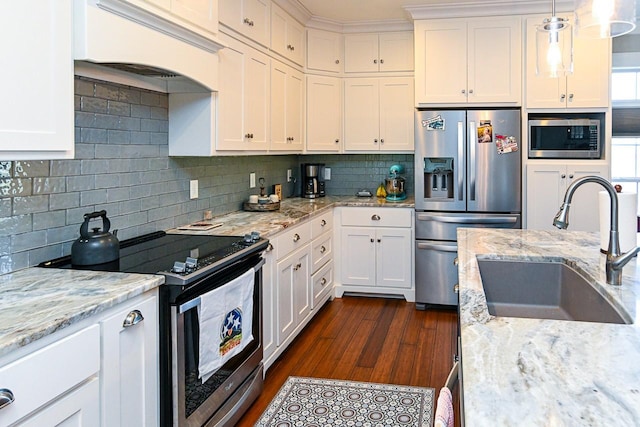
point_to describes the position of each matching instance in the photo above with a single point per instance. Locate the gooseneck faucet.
(615, 260)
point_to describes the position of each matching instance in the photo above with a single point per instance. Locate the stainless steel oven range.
(196, 266)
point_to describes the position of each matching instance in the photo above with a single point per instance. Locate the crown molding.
(295, 9)
(360, 26)
(486, 8)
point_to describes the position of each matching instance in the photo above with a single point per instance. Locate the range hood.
(116, 41)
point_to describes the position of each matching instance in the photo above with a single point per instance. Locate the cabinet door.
(441, 61)
(129, 371)
(230, 99)
(396, 114)
(324, 50)
(248, 17)
(302, 287)
(203, 13)
(36, 112)
(583, 214)
(393, 257)
(286, 108)
(80, 408)
(588, 86)
(396, 51)
(358, 246)
(287, 35)
(294, 301)
(256, 102)
(545, 190)
(295, 110)
(494, 60)
(361, 114)
(361, 53)
(324, 113)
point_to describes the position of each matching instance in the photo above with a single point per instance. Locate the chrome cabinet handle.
(323, 223)
(133, 318)
(323, 249)
(6, 397)
(296, 237)
(375, 217)
(323, 281)
(269, 248)
(456, 288)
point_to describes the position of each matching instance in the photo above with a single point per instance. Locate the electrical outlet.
(288, 175)
(252, 180)
(193, 189)
(327, 174)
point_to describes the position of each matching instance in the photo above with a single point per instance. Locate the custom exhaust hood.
(119, 42)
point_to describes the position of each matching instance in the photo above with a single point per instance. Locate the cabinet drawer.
(322, 283)
(49, 372)
(321, 251)
(321, 224)
(290, 240)
(376, 217)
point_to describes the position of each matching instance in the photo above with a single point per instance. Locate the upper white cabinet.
(324, 50)
(587, 87)
(287, 108)
(287, 35)
(196, 15)
(244, 98)
(36, 108)
(250, 18)
(378, 52)
(324, 113)
(547, 183)
(378, 114)
(468, 61)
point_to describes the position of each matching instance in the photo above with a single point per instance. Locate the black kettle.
(95, 246)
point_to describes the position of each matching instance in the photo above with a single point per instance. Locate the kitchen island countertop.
(531, 372)
(36, 302)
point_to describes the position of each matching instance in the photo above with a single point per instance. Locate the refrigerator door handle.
(473, 138)
(441, 248)
(468, 219)
(460, 159)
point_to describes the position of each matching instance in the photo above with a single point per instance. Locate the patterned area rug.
(320, 402)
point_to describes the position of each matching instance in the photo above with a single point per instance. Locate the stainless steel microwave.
(566, 138)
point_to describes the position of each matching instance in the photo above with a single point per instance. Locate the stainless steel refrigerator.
(468, 173)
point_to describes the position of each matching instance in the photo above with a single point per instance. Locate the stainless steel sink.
(544, 290)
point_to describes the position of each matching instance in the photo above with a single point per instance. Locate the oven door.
(225, 395)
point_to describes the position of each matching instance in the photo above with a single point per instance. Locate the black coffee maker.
(312, 180)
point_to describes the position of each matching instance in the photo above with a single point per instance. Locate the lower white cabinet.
(378, 244)
(294, 303)
(129, 365)
(547, 183)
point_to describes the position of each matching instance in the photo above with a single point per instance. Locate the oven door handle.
(196, 301)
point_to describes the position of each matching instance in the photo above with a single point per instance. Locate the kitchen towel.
(444, 409)
(225, 316)
(627, 220)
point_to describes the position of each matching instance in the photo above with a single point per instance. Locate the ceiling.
(357, 11)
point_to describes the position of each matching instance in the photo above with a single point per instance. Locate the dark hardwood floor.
(367, 339)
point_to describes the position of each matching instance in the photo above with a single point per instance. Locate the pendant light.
(604, 18)
(554, 46)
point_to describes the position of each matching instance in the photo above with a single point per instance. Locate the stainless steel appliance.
(192, 266)
(312, 180)
(467, 174)
(566, 136)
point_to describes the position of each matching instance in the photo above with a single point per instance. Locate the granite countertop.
(531, 372)
(36, 302)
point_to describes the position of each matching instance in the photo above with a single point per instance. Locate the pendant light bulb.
(554, 54)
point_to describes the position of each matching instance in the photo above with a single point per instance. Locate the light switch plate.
(327, 174)
(252, 180)
(193, 189)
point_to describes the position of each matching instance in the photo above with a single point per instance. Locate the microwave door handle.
(473, 140)
(460, 159)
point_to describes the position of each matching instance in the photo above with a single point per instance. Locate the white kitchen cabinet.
(244, 98)
(199, 16)
(44, 378)
(287, 108)
(251, 18)
(287, 35)
(324, 113)
(129, 372)
(460, 61)
(547, 183)
(378, 114)
(369, 52)
(294, 301)
(324, 50)
(269, 302)
(587, 87)
(378, 244)
(36, 110)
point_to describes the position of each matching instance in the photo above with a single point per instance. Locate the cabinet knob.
(133, 318)
(563, 176)
(463, 91)
(337, 141)
(322, 249)
(249, 136)
(248, 21)
(375, 217)
(297, 267)
(296, 237)
(379, 240)
(372, 240)
(456, 288)
(6, 397)
(375, 141)
(323, 281)
(570, 97)
(455, 261)
(470, 91)
(323, 223)
(562, 97)
(381, 141)
(269, 248)
(337, 61)
(382, 61)
(291, 48)
(375, 61)
(571, 176)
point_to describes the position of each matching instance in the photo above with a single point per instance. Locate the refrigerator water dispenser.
(438, 178)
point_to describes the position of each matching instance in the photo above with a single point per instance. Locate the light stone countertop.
(530, 372)
(36, 302)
